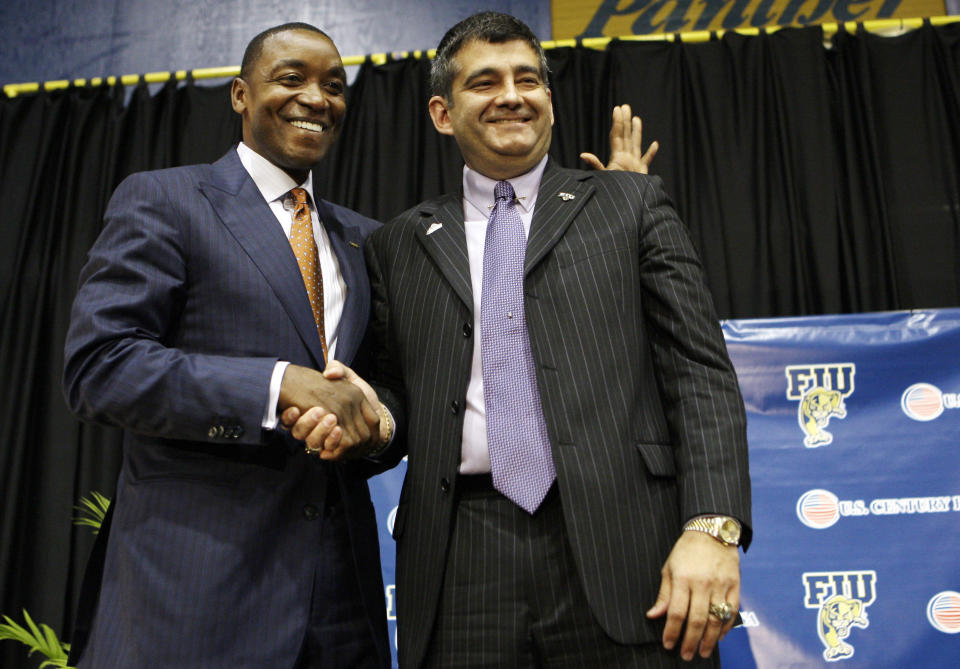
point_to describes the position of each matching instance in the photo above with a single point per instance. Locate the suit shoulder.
(624, 178)
(646, 189)
(351, 217)
(169, 177)
(424, 208)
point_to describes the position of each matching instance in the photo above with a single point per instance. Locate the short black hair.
(255, 47)
(492, 27)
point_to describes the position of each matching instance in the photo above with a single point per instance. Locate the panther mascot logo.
(837, 615)
(817, 407)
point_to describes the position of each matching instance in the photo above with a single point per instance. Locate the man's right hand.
(303, 388)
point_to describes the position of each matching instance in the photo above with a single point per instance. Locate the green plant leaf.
(36, 638)
(91, 511)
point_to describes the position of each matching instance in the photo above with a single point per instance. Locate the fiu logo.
(820, 390)
(841, 599)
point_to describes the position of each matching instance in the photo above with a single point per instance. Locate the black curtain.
(813, 181)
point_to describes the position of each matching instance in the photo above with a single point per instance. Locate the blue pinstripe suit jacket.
(642, 405)
(189, 297)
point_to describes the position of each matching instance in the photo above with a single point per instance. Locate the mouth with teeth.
(308, 126)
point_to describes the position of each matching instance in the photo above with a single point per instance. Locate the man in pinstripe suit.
(630, 557)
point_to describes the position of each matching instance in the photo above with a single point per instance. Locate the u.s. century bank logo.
(821, 391)
(925, 402)
(819, 509)
(943, 612)
(841, 599)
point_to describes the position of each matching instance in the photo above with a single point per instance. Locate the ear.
(550, 100)
(238, 95)
(440, 115)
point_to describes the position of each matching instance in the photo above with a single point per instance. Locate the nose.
(509, 95)
(313, 96)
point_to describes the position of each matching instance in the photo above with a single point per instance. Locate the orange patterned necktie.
(305, 249)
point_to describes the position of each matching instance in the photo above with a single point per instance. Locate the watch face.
(729, 531)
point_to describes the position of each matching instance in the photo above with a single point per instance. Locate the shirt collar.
(478, 189)
(272, 182)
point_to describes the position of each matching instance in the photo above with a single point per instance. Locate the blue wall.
(65, 39)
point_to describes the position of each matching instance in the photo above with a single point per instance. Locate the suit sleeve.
(384, 373)
(122, 364)
(697, 381)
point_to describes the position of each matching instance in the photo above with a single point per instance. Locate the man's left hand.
(700, 571)
(626, 138)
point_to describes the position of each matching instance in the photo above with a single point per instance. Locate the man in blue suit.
(193, 327)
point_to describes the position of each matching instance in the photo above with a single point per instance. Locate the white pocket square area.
(434, 227)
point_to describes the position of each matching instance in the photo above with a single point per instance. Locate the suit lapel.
(347, 244)
(242, 209)
(560, 198)
(442, 234)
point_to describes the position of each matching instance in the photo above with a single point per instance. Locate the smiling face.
(501, 112)
(292, 101)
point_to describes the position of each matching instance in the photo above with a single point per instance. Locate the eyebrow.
(288, 62)
(337, 71)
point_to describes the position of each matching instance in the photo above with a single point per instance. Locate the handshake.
(336, 413)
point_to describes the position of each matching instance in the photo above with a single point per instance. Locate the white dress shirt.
(274, 184)
(478, 202)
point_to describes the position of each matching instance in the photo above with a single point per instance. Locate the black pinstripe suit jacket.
(190, 296)
(642, 406)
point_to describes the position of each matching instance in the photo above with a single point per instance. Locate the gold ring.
(722, 611)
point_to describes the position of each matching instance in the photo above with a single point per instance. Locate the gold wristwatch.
(724, 529)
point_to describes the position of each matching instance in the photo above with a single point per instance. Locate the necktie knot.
(503, 191)
(299, 195)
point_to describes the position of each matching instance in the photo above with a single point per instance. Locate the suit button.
(444, 485)
(454, 407)
(467, 330)
(310, 512)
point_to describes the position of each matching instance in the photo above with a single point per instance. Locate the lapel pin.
(434, 227)
(566, 197)
(354, 245)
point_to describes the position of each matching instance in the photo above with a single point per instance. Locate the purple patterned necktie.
(517, 440)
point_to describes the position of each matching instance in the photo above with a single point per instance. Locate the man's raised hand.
(626, 139)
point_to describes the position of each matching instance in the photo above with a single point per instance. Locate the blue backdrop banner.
(854, 431)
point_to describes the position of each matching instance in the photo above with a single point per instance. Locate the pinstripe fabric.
(189, 297)
(511, 597)
(642, 406)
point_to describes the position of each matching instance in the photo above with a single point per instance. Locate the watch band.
(724, 529)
